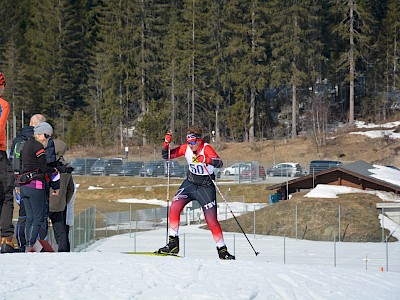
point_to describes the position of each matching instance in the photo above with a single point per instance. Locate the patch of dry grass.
(317, 219)
(114, 188)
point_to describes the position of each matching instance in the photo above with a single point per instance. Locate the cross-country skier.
(202, 159)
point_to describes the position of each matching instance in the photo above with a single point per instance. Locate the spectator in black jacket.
(24, 135)
(34, 180)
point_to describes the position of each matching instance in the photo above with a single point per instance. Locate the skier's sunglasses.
(191, 139)
(46, 135)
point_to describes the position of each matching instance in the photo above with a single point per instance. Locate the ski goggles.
(191, 139)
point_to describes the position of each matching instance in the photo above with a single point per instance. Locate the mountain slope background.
(317, 218)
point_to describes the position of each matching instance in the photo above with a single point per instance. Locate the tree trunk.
(294, 112)
(143, 74)
(352, 66)
(172, 124)
(193, 62)
(252, 109)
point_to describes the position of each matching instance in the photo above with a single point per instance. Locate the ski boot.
(7, 245)
(172, 247)
(224, 254)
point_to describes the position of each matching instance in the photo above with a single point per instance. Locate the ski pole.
(226, 203)
(168, 184)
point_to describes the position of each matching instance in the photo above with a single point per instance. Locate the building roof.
(359, 174)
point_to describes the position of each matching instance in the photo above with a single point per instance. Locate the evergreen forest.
(123, 72)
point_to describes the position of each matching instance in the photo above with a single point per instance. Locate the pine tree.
(390, 35)
(295, 46)
(245, 29)
(353, 27)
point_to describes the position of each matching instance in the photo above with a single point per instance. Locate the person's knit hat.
(43, 127)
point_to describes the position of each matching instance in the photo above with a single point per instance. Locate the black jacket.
(24, 135)
(34, 160)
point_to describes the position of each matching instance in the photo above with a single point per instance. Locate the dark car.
(131, 168)
(82, 165)
(105, 166)
(175, 169)
(250, 173)
(114, 166)
(322, 165)
(153, 169)
(285, 169)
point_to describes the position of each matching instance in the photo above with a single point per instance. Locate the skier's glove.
(167, 140)
(203, 159)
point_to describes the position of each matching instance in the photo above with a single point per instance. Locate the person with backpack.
(34, 179)
(15, 158)
(6, 178)
(199, 186)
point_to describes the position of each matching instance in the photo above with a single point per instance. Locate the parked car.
(322, 165)
(153, 169)
(235, 169)
(82, 165)
(175, 169)
(106, 167)
(217, 172)
(285, 169)
(250, 173)
(131, 168)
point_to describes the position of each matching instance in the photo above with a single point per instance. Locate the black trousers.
(60, 230)
(20, 231)
(6, 196)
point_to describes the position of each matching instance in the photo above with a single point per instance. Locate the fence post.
(94, 222)
(339, 225)
(155, 218)
(184, 244)
(134, 243)
(284, 249)
(79, 232)
(85, 232)
(234, 244)
(254, 221)
(387, 254)
(334, 250)
(296, 221)
(383, 224)
(119, 221)
(130, 220)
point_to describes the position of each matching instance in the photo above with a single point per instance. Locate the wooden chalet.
(355, 175)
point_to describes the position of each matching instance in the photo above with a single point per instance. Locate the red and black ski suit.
(197, 186)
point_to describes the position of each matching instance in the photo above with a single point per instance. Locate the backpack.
(17, 161)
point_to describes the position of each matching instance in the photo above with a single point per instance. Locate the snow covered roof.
(359, 174)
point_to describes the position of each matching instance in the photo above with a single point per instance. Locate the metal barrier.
(83, 232)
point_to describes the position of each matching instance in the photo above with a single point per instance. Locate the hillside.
(317, 219)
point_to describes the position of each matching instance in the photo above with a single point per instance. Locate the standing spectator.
(6, 178)
(33, 181)
(199, 186)
(24, 135)
(58, 203)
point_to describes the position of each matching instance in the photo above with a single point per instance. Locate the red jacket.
(4, 113)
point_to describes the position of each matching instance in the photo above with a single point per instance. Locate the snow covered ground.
(284, 269)
(103, 272)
